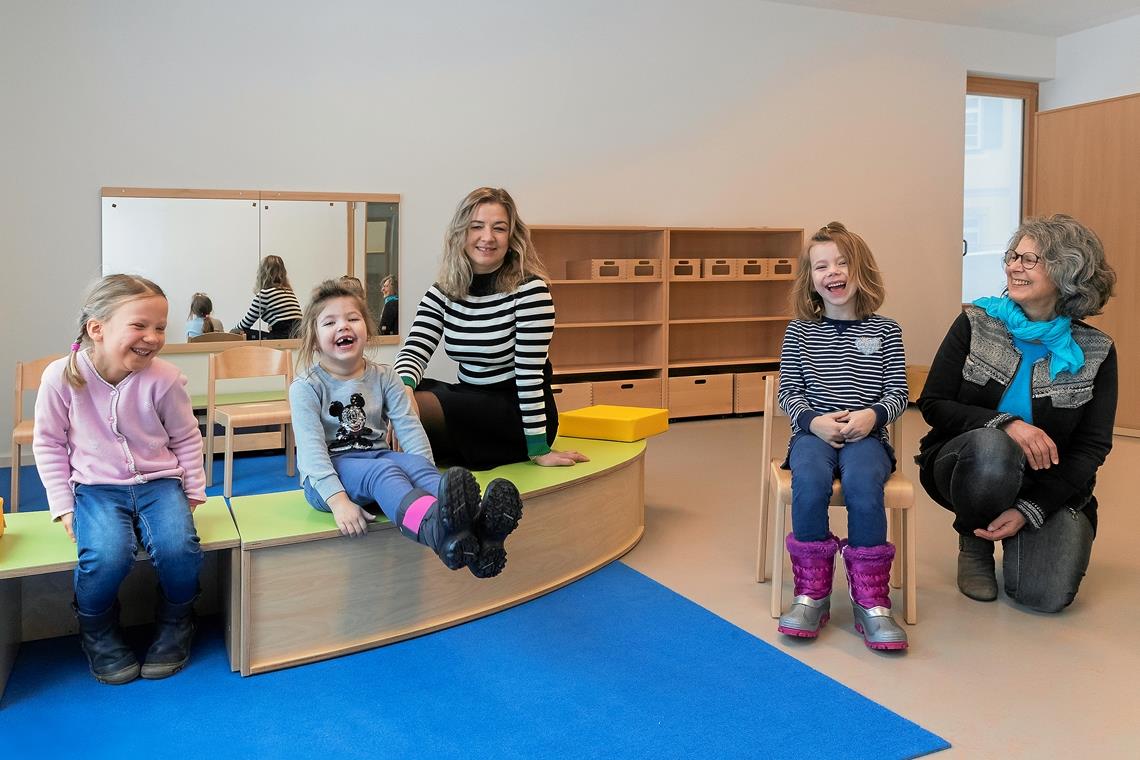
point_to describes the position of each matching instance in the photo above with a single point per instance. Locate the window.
(998, 129)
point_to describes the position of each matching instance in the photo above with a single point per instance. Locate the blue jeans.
(110, 521)
(981, 473)
(862, 466)
(379, 477)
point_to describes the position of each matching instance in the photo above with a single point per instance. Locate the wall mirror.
(213, 241)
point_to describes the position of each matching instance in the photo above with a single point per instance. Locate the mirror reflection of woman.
(1021, 399)
(390, 314)
(274, 303)
(493, 312)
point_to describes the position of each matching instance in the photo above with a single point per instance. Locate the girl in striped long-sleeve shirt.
(842, 379)
(493, 312)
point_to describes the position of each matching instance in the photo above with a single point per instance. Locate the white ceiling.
(1052, 18)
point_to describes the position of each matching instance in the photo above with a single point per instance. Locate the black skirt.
(484, 424)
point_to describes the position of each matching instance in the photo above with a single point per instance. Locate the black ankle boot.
(446, 527)
(110, 659)
(499, 514)
(976, 577)
(174, 630)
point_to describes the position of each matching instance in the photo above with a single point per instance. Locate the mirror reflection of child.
(200, 320)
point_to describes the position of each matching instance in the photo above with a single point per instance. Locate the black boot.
(446, 526)
(499, 514)
(976, 577)
(174, 630)
(111, 660)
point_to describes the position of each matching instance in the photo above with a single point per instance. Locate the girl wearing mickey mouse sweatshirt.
(342, 404)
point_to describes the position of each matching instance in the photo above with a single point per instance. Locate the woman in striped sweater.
(842, 379)
(492, 310)
(274, 303)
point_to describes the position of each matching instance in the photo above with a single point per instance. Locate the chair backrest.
(216, 337)
(28, 376)
(246, 362)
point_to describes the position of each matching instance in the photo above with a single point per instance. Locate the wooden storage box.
(718, 269)
(643, 269)
(572, 395)
(684, 269)
(597, 269)
(751, 269)
(748, 392)
(700, 395)
(644, 392)
(781, 269)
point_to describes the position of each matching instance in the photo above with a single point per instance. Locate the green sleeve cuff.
(536, 446)
(408, 381)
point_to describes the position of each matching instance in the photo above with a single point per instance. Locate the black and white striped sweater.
(271, 305)
(493, 338)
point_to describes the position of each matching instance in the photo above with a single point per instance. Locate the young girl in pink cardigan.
(119, 453)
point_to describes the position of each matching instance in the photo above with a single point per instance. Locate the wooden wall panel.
(1088, 166)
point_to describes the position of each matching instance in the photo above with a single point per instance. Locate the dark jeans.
(1043, 568)
(862, 467)
(981, 473)
(108, 523)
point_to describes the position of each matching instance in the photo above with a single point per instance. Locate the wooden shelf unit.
(630, 340)
(724, 331)
(610, 336)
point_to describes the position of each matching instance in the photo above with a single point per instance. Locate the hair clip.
(75, 346)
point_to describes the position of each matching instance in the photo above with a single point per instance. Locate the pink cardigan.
(140, 430)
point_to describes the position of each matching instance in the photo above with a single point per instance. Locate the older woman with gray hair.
(1020, 399)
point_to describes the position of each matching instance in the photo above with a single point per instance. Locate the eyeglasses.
(1028, 260)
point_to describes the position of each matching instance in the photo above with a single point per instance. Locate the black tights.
(435, 425)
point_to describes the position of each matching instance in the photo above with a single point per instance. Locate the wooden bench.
(308, 594)
(36, 563)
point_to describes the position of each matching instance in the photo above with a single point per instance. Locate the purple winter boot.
(868, 576)
(813, 566)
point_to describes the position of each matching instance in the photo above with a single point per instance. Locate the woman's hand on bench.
(554, 458)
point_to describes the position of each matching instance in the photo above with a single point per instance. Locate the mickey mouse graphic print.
(353, 433)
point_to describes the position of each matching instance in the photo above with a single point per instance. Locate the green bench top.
(32, 544)
(198, 400)
(278, 518)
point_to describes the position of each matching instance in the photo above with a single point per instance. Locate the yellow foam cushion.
(613, 423)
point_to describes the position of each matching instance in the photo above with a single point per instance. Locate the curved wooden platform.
(308, 594)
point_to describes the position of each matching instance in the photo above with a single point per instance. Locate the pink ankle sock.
(416, 511)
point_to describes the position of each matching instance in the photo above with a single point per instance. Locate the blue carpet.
(614, 665)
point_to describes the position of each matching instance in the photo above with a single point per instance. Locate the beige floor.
(993, 679)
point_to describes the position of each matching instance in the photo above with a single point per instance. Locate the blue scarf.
(1056, 334)
(389, 299)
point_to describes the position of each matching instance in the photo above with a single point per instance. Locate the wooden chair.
(246, 362)
(216, 337)
(28, 376)
(776, 489)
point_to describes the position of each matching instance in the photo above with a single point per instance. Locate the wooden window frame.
(1027, 93)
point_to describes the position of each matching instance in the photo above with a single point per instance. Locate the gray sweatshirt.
(332, 416)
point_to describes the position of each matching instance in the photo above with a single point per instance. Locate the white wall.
(720, 113)
(1098, 63)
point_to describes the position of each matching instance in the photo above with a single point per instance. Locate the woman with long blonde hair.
(274, 303)
(492, 310)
